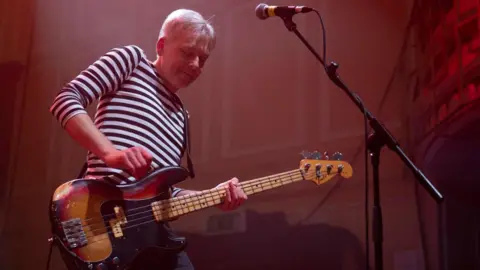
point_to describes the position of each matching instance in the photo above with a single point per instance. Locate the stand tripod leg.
(377, 213)
(375, 143)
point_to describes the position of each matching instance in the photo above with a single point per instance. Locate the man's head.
(185, 42)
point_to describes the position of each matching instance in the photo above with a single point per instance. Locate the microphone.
(264, 11)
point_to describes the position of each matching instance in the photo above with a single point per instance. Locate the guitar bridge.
(74, 233)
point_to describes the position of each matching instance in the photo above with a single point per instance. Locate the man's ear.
(160, 46)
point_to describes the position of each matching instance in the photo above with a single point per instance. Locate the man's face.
(183, 57)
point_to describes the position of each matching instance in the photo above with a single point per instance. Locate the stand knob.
(101, 266)
(337, 156)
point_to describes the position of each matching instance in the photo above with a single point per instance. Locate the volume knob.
(101, 266)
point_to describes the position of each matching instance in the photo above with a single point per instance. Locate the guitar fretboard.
(178, 206)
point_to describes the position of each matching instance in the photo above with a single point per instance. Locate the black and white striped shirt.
(134, 109)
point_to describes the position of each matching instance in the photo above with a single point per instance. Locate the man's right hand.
(136, 160)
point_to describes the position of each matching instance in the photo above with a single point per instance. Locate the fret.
(266, 183)
(178, 206)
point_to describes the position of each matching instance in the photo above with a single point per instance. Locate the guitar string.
(182, 198)
(194, 199)
(187, 196)
(108, 230)
(213, 195)
(209, 195)
(156, 211)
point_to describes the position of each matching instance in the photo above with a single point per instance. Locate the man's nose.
(195, 65)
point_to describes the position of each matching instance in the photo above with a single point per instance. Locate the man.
(140, 123)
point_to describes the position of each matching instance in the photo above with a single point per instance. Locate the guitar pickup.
(117, 223)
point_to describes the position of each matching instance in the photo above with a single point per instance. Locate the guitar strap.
(188, 147)
(83, 171)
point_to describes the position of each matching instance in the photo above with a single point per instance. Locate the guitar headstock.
(321, 168)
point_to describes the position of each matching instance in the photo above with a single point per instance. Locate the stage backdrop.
(263, 98)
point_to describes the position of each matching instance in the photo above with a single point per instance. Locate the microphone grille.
(260, 11)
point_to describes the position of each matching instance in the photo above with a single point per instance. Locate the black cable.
(324, 40)
(47, 267)
(367, 246)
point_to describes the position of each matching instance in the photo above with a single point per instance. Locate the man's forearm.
(82, 129)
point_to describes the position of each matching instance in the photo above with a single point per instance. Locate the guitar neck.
(178, 206)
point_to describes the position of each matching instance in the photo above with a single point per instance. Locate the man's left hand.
(234, 196)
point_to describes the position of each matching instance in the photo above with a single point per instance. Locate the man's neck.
(167, 84)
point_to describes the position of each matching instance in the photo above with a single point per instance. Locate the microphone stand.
(379, 137)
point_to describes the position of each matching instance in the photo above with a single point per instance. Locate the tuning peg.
(329, 168)
(337, 156)
(325, 154)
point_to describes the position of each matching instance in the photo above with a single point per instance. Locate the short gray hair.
(186, 19)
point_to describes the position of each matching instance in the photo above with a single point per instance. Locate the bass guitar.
(97, 225)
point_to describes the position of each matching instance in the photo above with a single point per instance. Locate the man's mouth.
(188, 75)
